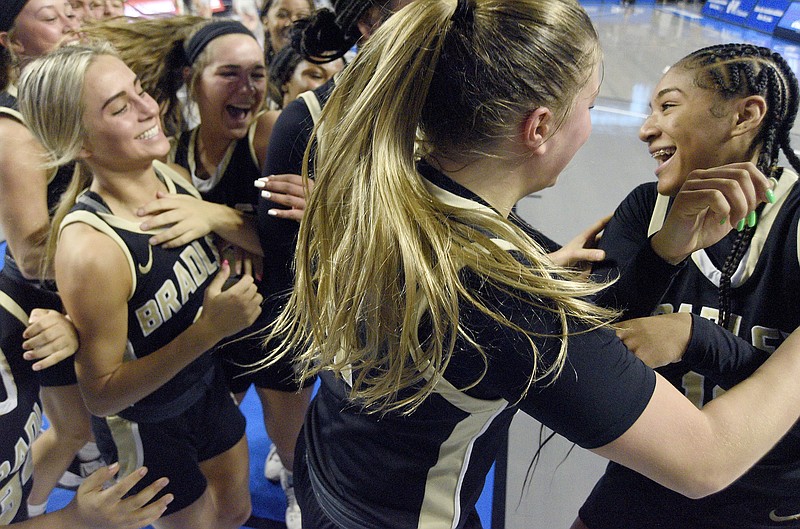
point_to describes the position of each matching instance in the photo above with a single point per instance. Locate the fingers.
(215, 287)
(97, 479)
(291, 214)
(51, 359)
(163, 202)
(742, 185)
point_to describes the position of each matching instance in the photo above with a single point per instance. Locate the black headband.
(9, 11)
(209, 32)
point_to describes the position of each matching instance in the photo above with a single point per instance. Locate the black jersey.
(765, 306)
(287, 146)
(57, 182)
(233, 185)
(427, 469)
(20, 410)
(167, 295)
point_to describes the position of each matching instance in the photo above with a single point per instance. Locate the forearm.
(754, 415)
(721, 355)
(700, 452)
(237, 228)
(134, 380)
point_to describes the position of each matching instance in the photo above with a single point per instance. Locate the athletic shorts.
(238, 354)
(174, 447)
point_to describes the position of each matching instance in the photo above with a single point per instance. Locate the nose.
(69, 23)
(648, 131)
(147, 106)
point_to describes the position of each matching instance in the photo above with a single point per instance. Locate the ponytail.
(378, 255)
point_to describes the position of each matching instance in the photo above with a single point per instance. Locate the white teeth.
(146, 135)
(663, 153)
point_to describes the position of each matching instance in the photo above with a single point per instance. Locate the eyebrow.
(668, 90)
(118, 94)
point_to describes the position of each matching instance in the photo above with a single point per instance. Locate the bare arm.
(99, 311)
(185, 218)
(23, 202)
(699, 452)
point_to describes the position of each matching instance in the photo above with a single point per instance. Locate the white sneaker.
(273, 465)
(86, 461)
(293, 517)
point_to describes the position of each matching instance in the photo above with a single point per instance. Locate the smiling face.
(230, 87)
(41, 26)
(688, 128)
(308, 76)
(280, 17)
(123, 130)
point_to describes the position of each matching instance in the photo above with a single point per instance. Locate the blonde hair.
(51, 103)
(153, 49)
(377, 254)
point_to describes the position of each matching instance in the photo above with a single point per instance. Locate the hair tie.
(11, 8)
(209, 32)
(464, 11)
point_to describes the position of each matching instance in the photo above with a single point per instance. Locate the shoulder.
(86, 252)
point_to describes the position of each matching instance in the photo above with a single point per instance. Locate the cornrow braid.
(740, 70)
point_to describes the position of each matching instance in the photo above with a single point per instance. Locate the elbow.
(701, 481)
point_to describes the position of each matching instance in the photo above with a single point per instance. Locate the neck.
(125, 192)
(210, 149)
(499, 182)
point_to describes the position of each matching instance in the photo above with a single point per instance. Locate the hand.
(230, 310)
(657, 340)
(96, 507)
(581, 251)
(49, 338)
(185, 219)
(709, 204)
(287, 190)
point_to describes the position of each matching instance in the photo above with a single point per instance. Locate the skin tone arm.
(699, 452)
(187, 219)
(99, 311)
(96, 508)
(23, 202)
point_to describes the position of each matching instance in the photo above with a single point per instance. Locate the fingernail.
(259, 184)
(143, 471)
(740, 225)
(225, 263)
(770, 196)
(152, 241)
(752, 218)
(144, 226)
(113, 467)
(272, 213)
(266, 194)
(723, 221)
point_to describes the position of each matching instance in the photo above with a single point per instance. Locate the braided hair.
(741, 70)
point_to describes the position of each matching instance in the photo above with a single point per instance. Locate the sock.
(36, 510)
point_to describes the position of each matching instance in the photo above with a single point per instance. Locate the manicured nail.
(770, 196)
(740, 225)
(752, 218)
(723, 221)
(260, 184)
(272, 212)
(266, 194)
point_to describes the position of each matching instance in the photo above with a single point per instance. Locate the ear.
(11, 44)
(536, 129)
(85, 153)
(750, 113)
